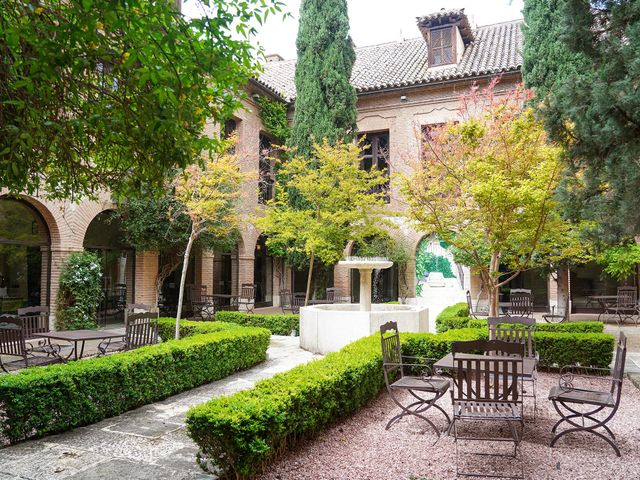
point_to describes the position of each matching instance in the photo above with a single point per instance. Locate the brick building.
(402, 88)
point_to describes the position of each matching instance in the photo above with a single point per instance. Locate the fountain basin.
(328, 328)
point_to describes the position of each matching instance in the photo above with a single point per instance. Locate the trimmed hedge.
(569, 327)
(44, 400)
(278, 324)
(453, 317)
(240, 433)
(167, 327)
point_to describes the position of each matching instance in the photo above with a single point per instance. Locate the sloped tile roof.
(495, 49)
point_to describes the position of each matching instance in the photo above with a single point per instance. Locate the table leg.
(81, 350)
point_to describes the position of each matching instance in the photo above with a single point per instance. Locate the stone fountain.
(328, 328)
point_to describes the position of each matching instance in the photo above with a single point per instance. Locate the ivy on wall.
(273, 114)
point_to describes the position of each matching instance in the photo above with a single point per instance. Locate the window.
(375, 154)
(441, 47)
(230, 127)
(265, 169)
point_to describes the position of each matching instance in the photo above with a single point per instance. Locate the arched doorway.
(104, 237)
(440, 281)
(25, 246)
(263, 274)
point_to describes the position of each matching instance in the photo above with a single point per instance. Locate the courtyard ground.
(360, 447)
(147, 443)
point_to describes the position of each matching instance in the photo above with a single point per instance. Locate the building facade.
(403, 88)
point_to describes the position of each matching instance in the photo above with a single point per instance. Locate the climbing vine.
(274, 117)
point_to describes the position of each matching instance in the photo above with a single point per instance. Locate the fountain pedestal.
(328, 328)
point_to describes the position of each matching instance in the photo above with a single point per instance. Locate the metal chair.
(13, 344)
(521, 304)
(519, 330)
(247, 297)
(488, 388)
(477, 311)
(197, 294)
(297, 302)
(286, 303)
(559, 315)
(141, 330)
(332, 294)
(397, 379)
(35, 320)
(567, 396)
(626, 306)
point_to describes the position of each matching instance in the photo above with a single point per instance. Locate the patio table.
(446, 362)
(76, 336)
(605, 301)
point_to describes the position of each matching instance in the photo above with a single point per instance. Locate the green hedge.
(276, 324)
(44, 400)
(453, 317)
(569, 327)
(167, 327)
(240, 433)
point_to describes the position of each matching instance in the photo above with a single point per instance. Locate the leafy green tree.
(113, 94)
(581, 58)
(621, 261)
(486, 186)
(325, 106)
(340, 202)
(80, 292)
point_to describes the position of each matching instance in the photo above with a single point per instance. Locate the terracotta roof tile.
(495, 49)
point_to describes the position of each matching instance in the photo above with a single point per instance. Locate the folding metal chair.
(487, 388)
(476, 311)
(398, 379)
(567, 396)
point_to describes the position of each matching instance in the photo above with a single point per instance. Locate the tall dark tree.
(582, 58)
(325, 106)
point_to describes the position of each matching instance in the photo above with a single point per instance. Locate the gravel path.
(359, 448)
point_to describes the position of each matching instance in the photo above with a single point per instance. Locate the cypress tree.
(583, 61)
(325, 106)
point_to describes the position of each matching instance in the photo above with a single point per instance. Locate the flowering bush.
(80, 292)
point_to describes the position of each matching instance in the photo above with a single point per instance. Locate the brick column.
(342, 281)
(204, 272)
(146, 277)
(245, 269)
(407, 280)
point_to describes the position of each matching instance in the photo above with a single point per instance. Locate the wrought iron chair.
(247, 297)
(331, 295)
(558, 315)
(476, 311)
(286, 303)
(521, 304)
(197, 300)
(35, 320)
(567, 396)
(13, 344)
(519, 330)
(141, 330)
(626, 306)
(397, 377)
(487, 388)
(297, 302)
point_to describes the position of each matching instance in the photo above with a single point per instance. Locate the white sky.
(377, 21)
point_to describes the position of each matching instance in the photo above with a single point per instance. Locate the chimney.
(447, 33)
(274, 57)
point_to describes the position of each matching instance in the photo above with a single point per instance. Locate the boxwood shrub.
(167, 327)
(241, 433)
(277, 324)
(569, 327)
(455, 316)
(44, 400)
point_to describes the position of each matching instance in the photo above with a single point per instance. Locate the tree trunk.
(183, 278)
(162, 276)
(492, 284)
(309, 277)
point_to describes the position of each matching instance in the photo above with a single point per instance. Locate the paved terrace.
(147, 443)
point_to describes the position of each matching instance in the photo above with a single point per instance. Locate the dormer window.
(447, 34)
(442, 51)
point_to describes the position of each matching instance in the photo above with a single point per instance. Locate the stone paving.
(147, 443)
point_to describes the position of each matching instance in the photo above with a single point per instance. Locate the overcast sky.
(378, 21)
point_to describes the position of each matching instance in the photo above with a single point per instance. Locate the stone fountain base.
(328, 328)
